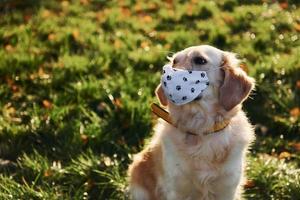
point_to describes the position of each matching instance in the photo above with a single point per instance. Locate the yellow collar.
(162, 113)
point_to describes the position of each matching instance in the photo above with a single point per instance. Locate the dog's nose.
(179, 60)
(175, 60)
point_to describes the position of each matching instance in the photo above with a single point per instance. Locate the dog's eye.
(199, 60)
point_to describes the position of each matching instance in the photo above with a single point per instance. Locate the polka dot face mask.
(183, 86)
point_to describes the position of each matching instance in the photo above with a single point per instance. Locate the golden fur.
(179, 166)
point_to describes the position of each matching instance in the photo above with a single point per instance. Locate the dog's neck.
(162, 113)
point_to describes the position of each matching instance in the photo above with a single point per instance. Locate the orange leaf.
(27, 17)
(42, 74)
(125, 12)
(76, 34)
(228, 19)
(152, 6)
(190, 10)
(9, 48)
(298, 84)
(47, 104)
(15, 88)
(117, 44)
(65, 4)
(297, 27)
(249, 184)
(84, 2)
(118, 103)
(167, 46)
(284, 5)
(137, 7)
(295, 112)
(296, 146)
(48, 173)
(84, 138)
(46, 14)
(144, 44)
(51, 37)
(147, 19)
(284, 155)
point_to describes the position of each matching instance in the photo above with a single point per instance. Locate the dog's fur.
(179, 166)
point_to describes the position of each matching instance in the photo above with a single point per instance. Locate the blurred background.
(77, 78)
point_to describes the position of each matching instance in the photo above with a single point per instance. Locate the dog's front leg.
(228, 185)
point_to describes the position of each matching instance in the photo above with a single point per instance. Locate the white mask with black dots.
(183, 86)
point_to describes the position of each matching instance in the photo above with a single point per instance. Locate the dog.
(189, 158)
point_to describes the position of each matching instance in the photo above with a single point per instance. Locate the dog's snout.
(175, 60)
(180, 61)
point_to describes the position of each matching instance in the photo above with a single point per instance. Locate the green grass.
(77, 78)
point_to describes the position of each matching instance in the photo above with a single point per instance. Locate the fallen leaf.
(228, 19)
(137, 7)
(167, 46)
(47, 104)
(76, 34)
(297, 27)
(295, 112)
(84, 2)
(84, 138)
(9, 111)
(284, 5)
(284, 155)
(170, 3)
(249, 184)
(12, 84)
(190, 9)
(117, 44)
(125, 12)
(51, 37)
(42, 74)
(27, 17)
(117, 102)
(46, 13)
(152, 6)
(147, 19)
(9, 48)
(296, 145)
(65, 4)
(144, 44)
(48, 173)
(298, 84)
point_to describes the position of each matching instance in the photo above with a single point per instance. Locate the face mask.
(183, 86)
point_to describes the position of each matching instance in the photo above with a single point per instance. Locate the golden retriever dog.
(201, 154)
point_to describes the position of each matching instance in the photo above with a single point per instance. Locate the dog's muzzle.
(183, 86)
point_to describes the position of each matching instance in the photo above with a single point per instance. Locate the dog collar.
(162, 113)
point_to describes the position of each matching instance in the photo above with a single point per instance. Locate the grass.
(77, 78)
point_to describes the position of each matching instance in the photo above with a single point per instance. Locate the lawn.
(77, 79)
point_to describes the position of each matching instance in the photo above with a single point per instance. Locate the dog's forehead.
(204, 50)
(212, 54)
(207, 51)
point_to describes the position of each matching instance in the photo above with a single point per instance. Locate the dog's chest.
(192, 173)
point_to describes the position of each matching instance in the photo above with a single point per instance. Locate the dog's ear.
(161, 95)
(236, 84)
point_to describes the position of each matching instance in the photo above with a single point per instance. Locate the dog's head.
(228, 87)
